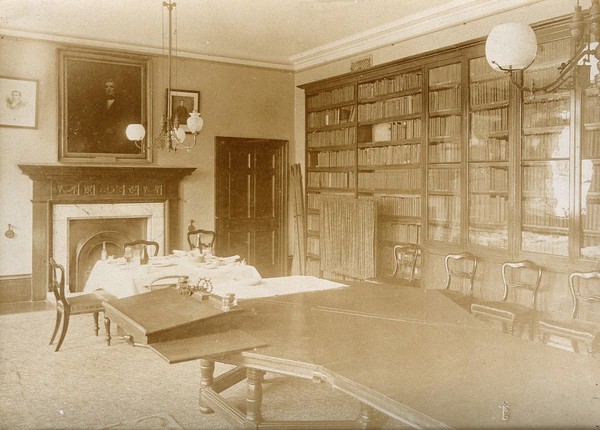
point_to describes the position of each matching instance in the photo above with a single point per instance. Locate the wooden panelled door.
(250, 193)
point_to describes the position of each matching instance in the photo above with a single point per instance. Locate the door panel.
(250, 196)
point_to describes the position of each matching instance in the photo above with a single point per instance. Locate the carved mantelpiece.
(63, 184)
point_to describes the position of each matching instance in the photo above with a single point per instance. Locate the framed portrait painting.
(180, 103)
(19, 102)
(100, 94)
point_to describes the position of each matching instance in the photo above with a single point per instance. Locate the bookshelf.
(444, 153)
(545, 157)
(458, 159)
(488, 149)
(330, 157)
(590, 177)
(390, 132)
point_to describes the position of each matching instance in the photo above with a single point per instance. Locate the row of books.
(343, 136)
(484, 209)
(485, 92)
(389, 155)
(554, 244)
(483, 237)
(546, 113)
(399, 206)
(488, 149)
(442, 233)
(484, 178)
(489, 121)
(406, 105)
(551, 179)
(399, 232)
(544, 212)
(443, 179)
(444, 208)
(591, 217)
(330, 179)
(331, 117)
(591, 144)
(555, 50)
(445, 126)
(390, 85)
(445, 74)
(543, 146)
(408, 180)
(313, 201)
(591, 110)
(333, 159)
(480, 67)
(445, 99)
(388, 131)
(336, 95)
(444, 152)
(312, 245)
(313, 222)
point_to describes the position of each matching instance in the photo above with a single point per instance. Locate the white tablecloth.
(123, 280)
(126, 279)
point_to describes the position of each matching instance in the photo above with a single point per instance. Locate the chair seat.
(573, 329)
(87, 303)
(502, 310)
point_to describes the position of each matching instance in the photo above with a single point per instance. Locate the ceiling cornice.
(453, 13)
(448, 15)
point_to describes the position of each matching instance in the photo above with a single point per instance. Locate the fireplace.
(78, 208)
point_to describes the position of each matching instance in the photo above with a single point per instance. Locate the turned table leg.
(107, 329)
(254, 395)
(207, 371)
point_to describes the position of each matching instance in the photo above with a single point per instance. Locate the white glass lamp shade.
(178, 134)
(135, 132)
(195, 122)
(511, 46)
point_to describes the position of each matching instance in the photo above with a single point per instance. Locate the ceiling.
(285, 34)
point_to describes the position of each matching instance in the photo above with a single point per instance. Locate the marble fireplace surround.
(64, 191)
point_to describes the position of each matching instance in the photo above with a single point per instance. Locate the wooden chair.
(90, 303)
(137, 244)
(405, 258)
(201, 239)
(460, 268)
(585, 291)
(512, 312)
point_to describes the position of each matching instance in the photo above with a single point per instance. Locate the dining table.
(226, 275)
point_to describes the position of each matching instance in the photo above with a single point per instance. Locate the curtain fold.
(348, 232)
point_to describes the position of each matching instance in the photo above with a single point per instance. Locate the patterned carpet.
(89, 385)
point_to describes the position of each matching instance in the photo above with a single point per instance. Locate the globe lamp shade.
(195, 122)
(511, 46)
(135, 132)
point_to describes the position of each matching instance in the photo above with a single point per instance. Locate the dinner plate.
(162, 264)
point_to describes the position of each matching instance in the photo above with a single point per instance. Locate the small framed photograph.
(100, 94)
(180, 103)
(19, 102)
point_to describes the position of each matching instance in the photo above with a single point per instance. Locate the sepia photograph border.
(29, 106)
(89, 61)
(175, 95)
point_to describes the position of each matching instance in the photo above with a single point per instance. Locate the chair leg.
(96, 326)
(63, 332)
(56, 325)
(107, 328)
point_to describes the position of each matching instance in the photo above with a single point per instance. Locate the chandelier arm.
(189, 146)
(565, 69)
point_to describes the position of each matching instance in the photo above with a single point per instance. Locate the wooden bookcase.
(459, 160)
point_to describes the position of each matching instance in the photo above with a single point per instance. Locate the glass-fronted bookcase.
(459, 159)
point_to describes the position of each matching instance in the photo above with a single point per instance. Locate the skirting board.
(15, 288)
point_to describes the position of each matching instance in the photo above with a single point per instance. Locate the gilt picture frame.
(18, 107)
(99, 94)
(180, 103)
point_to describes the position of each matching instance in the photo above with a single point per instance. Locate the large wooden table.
(411, 354)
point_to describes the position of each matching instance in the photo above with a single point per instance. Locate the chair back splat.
(405, 257)
(201, 239)
(138, 244)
